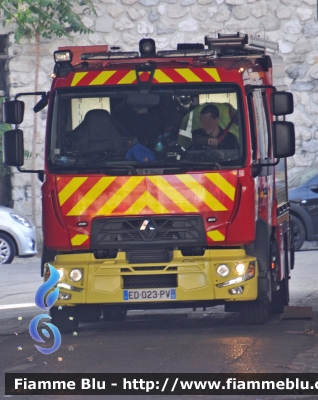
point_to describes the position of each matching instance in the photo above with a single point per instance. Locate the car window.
(314, 180)
(302, 176)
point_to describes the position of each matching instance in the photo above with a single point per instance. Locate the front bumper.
(194, 279)
(25, 239)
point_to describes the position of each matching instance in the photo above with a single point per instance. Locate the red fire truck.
(159, 186)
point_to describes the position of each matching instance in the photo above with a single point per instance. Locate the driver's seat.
(97, 132)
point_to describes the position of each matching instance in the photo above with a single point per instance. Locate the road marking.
(22, 305)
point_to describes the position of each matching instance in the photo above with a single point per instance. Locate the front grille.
(153, 256)
(127, 233)
(148, 268)
(150, 281)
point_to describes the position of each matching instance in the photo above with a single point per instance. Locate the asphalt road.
(162, 341)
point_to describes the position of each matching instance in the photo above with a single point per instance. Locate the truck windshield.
(117, 131)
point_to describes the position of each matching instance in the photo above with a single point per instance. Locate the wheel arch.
(16, 249)
(300, 213)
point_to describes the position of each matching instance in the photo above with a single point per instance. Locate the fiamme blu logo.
(45, 302)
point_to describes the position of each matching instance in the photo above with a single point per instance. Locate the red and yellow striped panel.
(162, 75)
(217, 235)
(147, 195)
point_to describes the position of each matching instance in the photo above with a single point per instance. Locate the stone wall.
(124, 22)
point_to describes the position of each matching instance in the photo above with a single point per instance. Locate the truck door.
(260, 128)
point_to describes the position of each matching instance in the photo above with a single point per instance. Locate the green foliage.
(44, 18)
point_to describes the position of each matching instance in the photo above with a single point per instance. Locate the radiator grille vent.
(127, 233)
(150, 256)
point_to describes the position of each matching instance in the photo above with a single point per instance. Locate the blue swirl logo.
(45, 303)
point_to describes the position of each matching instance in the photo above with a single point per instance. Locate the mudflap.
(261, 249)
(264, 286)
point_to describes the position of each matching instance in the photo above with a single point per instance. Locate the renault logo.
(144, 224)
(147, 229)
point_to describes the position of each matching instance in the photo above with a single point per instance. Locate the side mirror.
(13, 148)
(13, 112)
(283, 139)
(282, 103)
(143, 99)
(42, 103)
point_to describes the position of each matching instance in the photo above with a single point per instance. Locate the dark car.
(303, 197)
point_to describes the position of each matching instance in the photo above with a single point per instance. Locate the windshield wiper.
(199, 164)
(111, 168)
(179, 165)
(98, 169)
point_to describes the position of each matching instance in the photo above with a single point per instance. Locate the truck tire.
(61, 319)
(299, 233)
(253, 312)
(114, 314)
(280, 298)
(90, 314)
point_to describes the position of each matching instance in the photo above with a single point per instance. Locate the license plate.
(149, 294)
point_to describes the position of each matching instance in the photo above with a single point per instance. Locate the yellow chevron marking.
(102, 77)
(216, 236)
(161, 77)
(213, 72)
(70, 188)
(172, 193)
(222, 184)
(77, 240)
(188, 75)
(128, 78)
(91, 196)
(120, 195)
(147, 199)
(202, 193)
(78, 76)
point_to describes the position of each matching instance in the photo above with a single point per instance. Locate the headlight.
(61, 272)
(240, 268)
(22, 220)
(223, 270)
(76, 275)
(63, 56)
(250, 273)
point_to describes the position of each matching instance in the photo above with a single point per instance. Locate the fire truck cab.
(159, 180)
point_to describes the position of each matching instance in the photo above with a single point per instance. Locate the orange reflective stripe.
(78, 76)
(120, 195)
(91, 195)
(70, 188)
(128, 77)
(222, 184)
(202, 193)
(123, 195)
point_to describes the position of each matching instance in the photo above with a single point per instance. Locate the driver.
(211, 133)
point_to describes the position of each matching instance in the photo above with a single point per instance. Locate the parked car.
(303, 197)
(17, 236)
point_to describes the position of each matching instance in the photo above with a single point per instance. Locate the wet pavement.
(164, 341)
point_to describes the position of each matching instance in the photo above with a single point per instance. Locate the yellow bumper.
(105, 281)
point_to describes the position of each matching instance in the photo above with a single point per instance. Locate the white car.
(17, 236)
